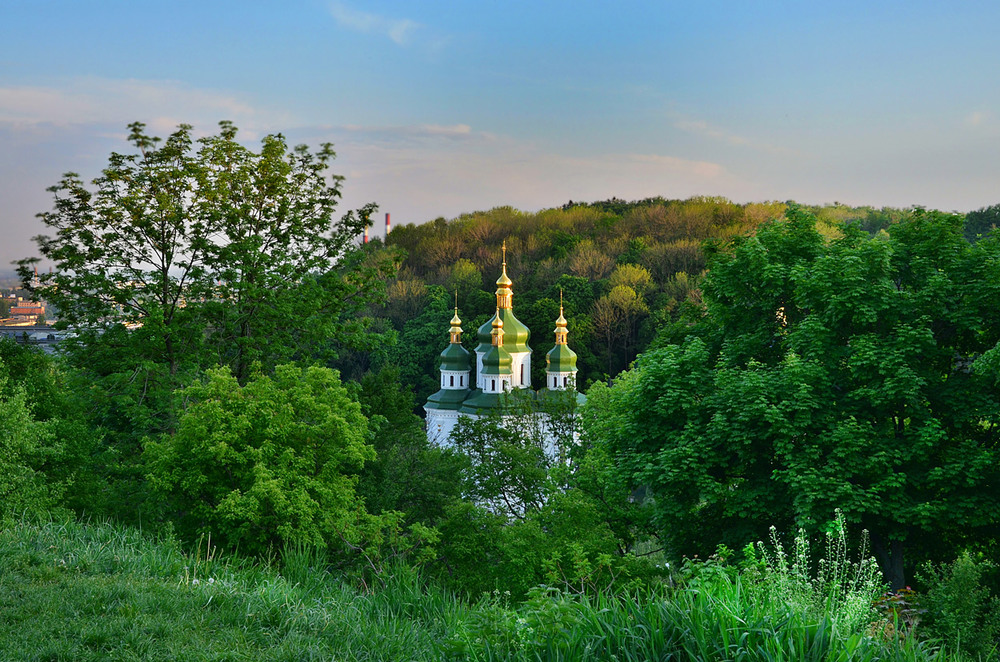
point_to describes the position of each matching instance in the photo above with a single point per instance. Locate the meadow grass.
(71, 591)
(78, 592)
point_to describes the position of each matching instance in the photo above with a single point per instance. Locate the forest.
(788, 449)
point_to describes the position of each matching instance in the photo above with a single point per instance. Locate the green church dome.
(515, 333)
(560, 359)
(455, 357)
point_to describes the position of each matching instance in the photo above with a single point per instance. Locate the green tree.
(45, 447)
(407, 475)
(265, 464)
(186, 254)
(981, 222)
(421, 342)
(464, 277)
(616, 317)
(508, 471)
(27, 447)
(220, 254)
(857, 373)
(287, 276)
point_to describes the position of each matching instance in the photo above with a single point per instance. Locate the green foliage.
(543, 508)
(105, 592)
(268, 463)
(27, 446)
(825, 374)
(981, 222)
(407, 474)
(508, 469)
(959, 610)
(44, 446)
(423, 337)
(185, 254)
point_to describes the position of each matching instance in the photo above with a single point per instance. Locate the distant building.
(24, 310)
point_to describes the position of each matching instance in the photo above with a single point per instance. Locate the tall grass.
(77, 592)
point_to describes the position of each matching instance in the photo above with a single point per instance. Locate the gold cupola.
(562, 333)
(456, 324)
(497, 332)
(504, 284)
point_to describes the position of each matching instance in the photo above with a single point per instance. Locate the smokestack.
(388, 225)
(366, 235)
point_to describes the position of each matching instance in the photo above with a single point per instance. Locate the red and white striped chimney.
(388, 225)
(366, 235)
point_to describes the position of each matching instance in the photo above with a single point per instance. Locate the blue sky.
(440, 108)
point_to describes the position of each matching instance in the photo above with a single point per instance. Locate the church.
(502, 364)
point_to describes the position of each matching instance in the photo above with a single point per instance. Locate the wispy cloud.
(703, 128)
(421, 172)
(977, 118)
(399, 30)
(411, 133)
(161, 104)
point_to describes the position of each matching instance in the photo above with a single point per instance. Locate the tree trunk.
(889, 554)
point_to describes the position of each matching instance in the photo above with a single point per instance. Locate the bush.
(266, 464)
(960, 610)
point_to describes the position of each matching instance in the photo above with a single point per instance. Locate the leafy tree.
(407, 475)
(542, 507)
(45, 447)
(268, 463)
(185, 254)
(616, 316)
(631, 275)
(508, 470)
(857, 373)
(421, 342)
(26, 447)
(981, 222)
(220, 254)
(464, 277)
(285, 272)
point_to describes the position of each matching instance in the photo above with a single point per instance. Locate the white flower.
(195, 581)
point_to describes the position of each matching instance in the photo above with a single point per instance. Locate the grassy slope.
(77, 592)
(72, 592)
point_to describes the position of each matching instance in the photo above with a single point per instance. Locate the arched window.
(493, 384)
(522, 374)
(565, 381)
(451, 380)
(461, 380)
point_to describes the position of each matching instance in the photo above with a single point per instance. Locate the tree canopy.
(857, 373)
(221, 255)
(265, 464)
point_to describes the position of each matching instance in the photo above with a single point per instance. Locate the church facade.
(475, 385)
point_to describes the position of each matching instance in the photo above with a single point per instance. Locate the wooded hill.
(625, 270)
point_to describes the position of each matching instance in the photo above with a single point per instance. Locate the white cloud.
(160, 104)
(399, 30)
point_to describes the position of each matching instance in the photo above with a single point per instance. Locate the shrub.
(266, 464)
(960, 610)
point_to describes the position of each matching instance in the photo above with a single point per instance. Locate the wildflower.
(195, 581)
